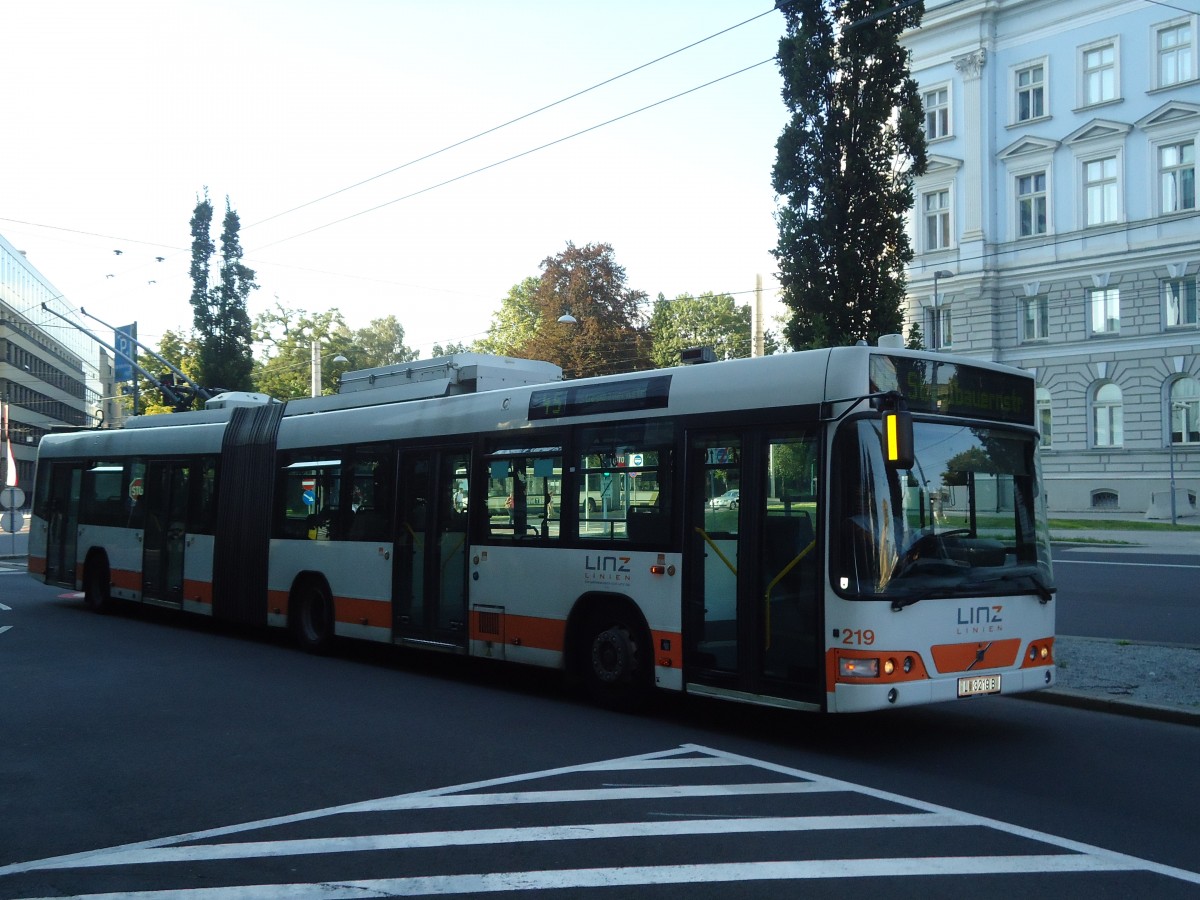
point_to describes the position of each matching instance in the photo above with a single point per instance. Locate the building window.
(1176, 54)
(1105, 306)
(1177, 176)
(1179, 296)
(1099, 73)
(1100, 191)
(937, 219)
(1031, 204)
(1045, 417)
(1108, 418)
(937, 113)
(1185, 411)
(1105, 500)
(1035, 318)
(1031, 92)
(938, 328)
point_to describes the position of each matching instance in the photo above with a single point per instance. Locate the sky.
(336, 131)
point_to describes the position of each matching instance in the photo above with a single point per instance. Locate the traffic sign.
(12, 521)
(12, 498)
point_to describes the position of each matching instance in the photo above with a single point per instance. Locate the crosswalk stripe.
(636, 876)
(492, 836)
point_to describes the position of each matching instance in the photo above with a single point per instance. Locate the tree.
(844, 166)
(516, 322)
(381, 343)
(712, 320)
(219, 312)
(181, 352)
(608, 335)
(285, 336)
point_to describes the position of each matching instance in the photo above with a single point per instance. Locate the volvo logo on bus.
(607, 569)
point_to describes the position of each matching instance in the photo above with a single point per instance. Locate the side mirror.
(898, 439)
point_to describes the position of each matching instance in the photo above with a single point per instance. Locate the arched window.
(1045, 417)
(1105, 499)
(1108, 420)
(1185, 411)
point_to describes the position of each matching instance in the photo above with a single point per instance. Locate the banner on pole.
(125, 341)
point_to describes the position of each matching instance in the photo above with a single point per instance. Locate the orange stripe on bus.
(975, 655)
(354, 611)
(125, 580)
(519, 631)
(37, 565)
(198, 591)
(277, 602)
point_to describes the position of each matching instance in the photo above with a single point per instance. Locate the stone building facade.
(1057, 229)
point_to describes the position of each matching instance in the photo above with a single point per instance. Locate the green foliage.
(181, 352)
(515, 324)
(710, 320)
(845, 164)
(609, 334)
(285, 336)
(916, 339)
(219, 312)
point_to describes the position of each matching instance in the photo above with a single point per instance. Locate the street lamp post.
(1175, 407)
(315, 381)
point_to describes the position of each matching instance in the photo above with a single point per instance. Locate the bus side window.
(371, 497)
(309, 499)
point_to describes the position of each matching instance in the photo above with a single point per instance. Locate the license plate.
(974, 685)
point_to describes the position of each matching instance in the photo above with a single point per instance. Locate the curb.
(1080, 700)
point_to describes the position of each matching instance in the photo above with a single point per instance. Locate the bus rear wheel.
(614, 667)
(312, 617)
(96, 593)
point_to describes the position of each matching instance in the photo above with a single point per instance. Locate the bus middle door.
(751, 622)
(429, 597)
(165, 499)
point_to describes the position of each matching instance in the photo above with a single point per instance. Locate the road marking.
(5, 608)
(4, 628)
(1104, 562)
(1068, 857)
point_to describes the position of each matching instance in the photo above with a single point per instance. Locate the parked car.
(728, 500)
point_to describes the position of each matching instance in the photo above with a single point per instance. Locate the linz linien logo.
(606, 569)
(980, 619)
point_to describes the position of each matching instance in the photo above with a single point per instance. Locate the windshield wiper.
(899, 603)
(1044, 591)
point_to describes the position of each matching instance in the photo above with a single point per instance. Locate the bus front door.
(62, 524)
(430, 574)
(751, 618)
(165, 498)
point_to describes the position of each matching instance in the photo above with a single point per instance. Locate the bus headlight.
(850, 667)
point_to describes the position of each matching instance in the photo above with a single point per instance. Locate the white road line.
(1078, 858)
(5, 608)
(1105, 562)
(636, 876)
(4, 628)
(533, 834)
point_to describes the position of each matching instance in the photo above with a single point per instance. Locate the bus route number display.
(600, 399)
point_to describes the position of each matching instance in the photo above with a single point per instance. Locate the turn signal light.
(858, 668)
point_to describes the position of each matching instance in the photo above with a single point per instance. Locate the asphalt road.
(146, 752)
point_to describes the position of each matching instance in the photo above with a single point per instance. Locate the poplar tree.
(219, 312)
(844, 168)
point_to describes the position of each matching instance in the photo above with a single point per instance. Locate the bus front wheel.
(312, 619)
(614, 667)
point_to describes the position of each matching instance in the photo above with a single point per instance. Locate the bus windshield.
(965, 520)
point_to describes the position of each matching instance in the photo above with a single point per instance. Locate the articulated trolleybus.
(840, 530)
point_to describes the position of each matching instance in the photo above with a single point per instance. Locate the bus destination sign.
(955, 389)
(600, 398)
